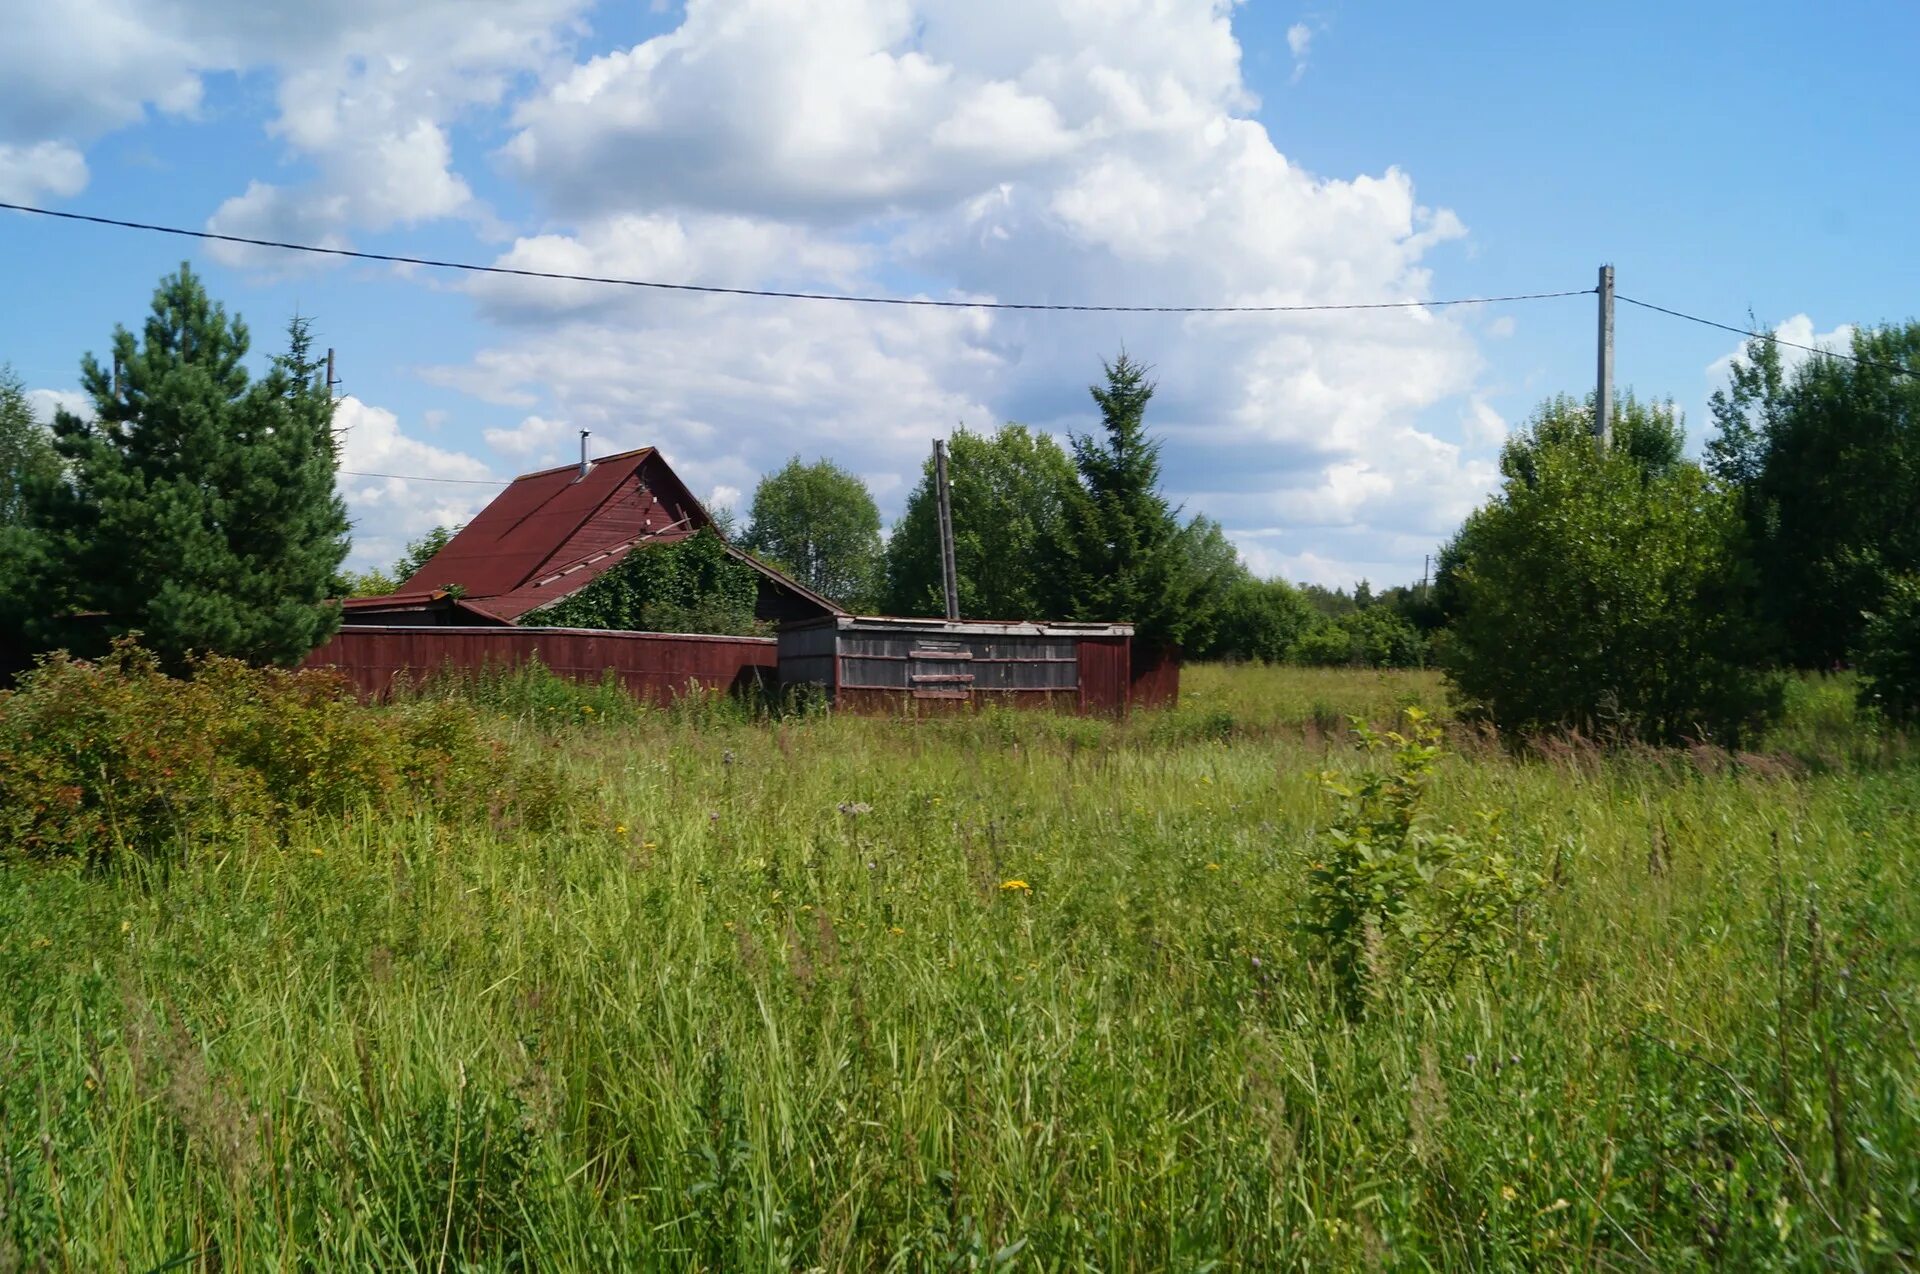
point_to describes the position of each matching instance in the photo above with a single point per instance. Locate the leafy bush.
(1376, 637)
(99, 760)
(1326, 645)
(1596, 594)
(1391, 898)
(1261, 619)
(1889, 654)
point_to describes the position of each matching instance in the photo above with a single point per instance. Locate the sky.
(1729, 160)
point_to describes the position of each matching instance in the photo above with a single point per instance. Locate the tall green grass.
(772, 998)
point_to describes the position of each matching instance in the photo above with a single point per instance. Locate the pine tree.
(199, 508)
(1123, 554)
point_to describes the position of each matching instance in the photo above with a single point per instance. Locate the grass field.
(1005, 992)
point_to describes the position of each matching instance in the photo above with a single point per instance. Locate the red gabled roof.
(553, 532)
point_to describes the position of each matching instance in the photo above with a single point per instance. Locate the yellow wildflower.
(1010, 886)
(586, 707)
(1509, 1193)
(619, 829)
(126, 926)
(1213, 866)
(896, 931)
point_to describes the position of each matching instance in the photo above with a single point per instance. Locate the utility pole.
(332, 380)
(948, 576)
(1603, 391)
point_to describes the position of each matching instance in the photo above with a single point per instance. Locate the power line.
(413, 477)
(926, 302)
(1768, 336)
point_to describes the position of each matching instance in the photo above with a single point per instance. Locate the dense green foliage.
(1827, 460)
(197, 504)
(827, 993)
(26, 448)
(1261, 619)
(27, 457)
(818, 523)
(1122, 553)
(1600, 593)
(1010, 490)
(1374, 636)
(1889, 651)
(102, 761)
(1649, 435)
(689, 586)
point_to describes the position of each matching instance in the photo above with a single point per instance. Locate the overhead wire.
(715, 290)
(907, 301)
(414, 477)
(1769, 336)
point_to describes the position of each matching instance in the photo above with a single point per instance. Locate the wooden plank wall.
(1103, 674)
(654, 666)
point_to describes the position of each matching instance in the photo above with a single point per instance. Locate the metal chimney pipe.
(584, 465)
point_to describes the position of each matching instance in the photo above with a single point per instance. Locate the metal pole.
(331, 381)
(1603, 391)
(948, 576)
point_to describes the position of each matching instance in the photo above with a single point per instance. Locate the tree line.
(1630, 591)
(1634, 592)
(1075, 532)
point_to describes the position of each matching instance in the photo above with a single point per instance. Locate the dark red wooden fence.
(1155, 678)
(654, 666)
(1103, 674)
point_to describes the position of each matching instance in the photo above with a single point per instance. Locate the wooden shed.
(880, 663)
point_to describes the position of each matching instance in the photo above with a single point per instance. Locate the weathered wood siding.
(654, 666)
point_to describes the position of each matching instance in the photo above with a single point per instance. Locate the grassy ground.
(1015, 991)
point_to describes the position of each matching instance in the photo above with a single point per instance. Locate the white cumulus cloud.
(388, 511)
(1796, 334)
(43, 168)
(1030, 152)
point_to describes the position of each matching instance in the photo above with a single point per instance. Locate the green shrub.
(1889, 654)
(100, 760)
(1376, 637)
(1390, 898)
(1327, 645)
(1593, 594)
(1261, 619)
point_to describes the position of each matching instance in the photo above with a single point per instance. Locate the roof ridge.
(592, 461)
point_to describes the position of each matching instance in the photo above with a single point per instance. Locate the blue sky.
(1725, 158)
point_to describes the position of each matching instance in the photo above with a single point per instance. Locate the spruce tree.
(198, 508)
(1122, 553)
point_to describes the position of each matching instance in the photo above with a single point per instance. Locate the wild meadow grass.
(1011, 991)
